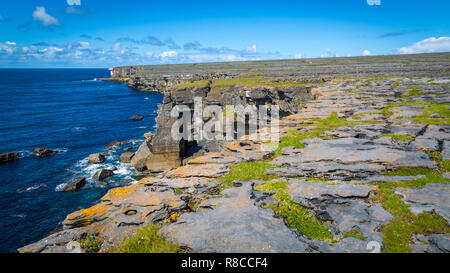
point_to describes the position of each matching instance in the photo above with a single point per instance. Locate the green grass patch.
(90, 244)
(320, 126)
(221, 85)
(412, 93)
(147, 240)
(246, 171)
(256, 170)
(397, 234)
(354, 234)
(297, 216)
(444, 165)
(300, 217)
(442, 109)
(272, 186)
(195, 84)
(398, 137)
(415, 88)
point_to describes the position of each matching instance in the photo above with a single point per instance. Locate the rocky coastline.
(356, 135)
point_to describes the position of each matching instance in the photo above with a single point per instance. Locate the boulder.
(8, 157)
(126, 157)
(137, 118)
(113, 144)
(75, 185)
(96, 158)
(44, 152)
(140, 157)
(102, 174)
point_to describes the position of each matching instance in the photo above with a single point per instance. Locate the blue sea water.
(68, 111)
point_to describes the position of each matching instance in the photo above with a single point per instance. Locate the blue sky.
(100, 33)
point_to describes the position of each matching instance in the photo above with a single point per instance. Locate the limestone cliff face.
(167, 153)
(163, 153)
(139, 78)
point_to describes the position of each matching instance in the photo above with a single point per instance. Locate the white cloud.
(47, 20)
(231, 57)
(251, 49)
(168, 54)
(366, 53)
(83, 54)
(51, 51)
(8, 48)
(29, 49)
(83, 45)
(432, 44)
(329, 54)
(116, 47)
(74, 2)
(298, 56)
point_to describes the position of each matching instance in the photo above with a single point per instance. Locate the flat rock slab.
(345, 206)
(53, 243)
(446, 150)
(199, 170)
(327, 169)
(353, 150)
(434, 243)
(438, 132)
(317, 190)
(383, 178)
(434, 196)
(235, 224)
(141, 198)
(371, 131)
(423, 143)
(192, 185)
(410, 130)
(407, 111)
(214, 158)
(349, 158)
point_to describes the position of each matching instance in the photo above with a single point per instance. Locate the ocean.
(69, 111)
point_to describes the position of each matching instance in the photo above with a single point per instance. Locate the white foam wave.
(122, 172)
(78, 129)
(62, 150)
(25, 153)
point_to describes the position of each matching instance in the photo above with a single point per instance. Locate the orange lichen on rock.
(115, 193)
(172, 217)
(87, 216)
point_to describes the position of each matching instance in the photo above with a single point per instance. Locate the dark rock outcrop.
(8, 157)
(113, 144)
(140, 157)
(96, 158)
(102, 174)
(44, 152)
(126, 157)
(137, 118)
(75, 185)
